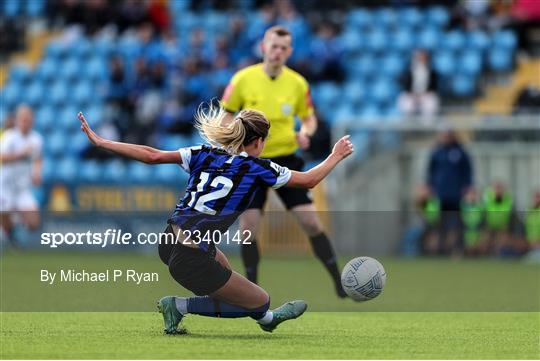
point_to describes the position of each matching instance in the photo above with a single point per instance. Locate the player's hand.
(343, 148)
(303, 140)
(92, 136)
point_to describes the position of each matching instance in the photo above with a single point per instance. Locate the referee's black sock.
(323, 250)
(250, 257)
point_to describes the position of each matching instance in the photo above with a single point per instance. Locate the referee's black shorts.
(290, 196)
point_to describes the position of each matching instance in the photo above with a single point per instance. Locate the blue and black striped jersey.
(221, 186)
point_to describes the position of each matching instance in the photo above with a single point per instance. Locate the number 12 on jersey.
(210, 196)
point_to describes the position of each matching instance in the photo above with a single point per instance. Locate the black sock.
(323, 250)
(250, 257)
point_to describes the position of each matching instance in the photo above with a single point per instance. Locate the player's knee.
(312, 225)
(249, 221)
(262, 300)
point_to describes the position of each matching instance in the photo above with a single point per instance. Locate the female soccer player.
(223, 179)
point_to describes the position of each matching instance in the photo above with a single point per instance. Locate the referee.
(280, 93)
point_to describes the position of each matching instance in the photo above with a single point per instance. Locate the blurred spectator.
(449, 175)
(532, 223)
(472, 221)
(117, 91)
(528, 101)
(429, 208)
(158, 12)
(12, 39)
(327, 49)
(320, 144)
(471, 15)
(130, 14)
(501, 222)
(420, 87)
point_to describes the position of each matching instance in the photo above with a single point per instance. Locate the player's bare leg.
(31, 218)
(306, 214)
(7, 226)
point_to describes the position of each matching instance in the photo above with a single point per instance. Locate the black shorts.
(290, 196)
(193, 268)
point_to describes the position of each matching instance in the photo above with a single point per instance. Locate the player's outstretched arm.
(342, 149)
(141, 153)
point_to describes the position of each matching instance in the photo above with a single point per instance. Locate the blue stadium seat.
(78, 142)
(453, 41)
(19, 73)
(383, 91)
(463, 85)
(170, 173)
(352, 41)
(410, 17)
(48, 170)
(505, 39)
(12, 94)
(103, 47)
(173, 142)
(344, 113)
(359, 19)
(34, 7)
(11, 8)
(385, 17)
(403, 39)
(96, 68)
(500, 59)
(139, 172)
(370, 114)
(429, 38)
(82, 49)
(35, 93)
(478, 40)
(67, 118)
(130, 48)
(58, 93)
(57, 142)
(376, 40)
(71, 68)
(93, 114)
(55, 50)
(90, 171)
(363, 66)
(114, 171)
(187, 21)
(392, 65)
(326, 93)
(444, 62)
(67, 169)
(48, 68)
(354, 93)
(45, 118)
(470, 62)
(83, 93)
(214, 21)
(437, 16)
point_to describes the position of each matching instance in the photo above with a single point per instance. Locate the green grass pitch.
(434, 309)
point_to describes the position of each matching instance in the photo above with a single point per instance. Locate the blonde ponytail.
(245, 127)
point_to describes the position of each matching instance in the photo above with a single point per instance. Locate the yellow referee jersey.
(280, 99)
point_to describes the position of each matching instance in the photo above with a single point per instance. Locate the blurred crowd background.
(139, 69)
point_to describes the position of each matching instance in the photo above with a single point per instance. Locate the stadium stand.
(198, 53)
